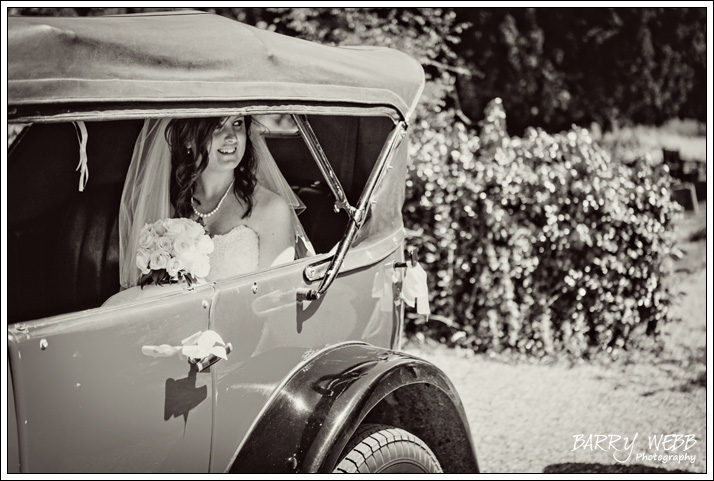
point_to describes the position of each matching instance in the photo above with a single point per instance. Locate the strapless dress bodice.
(235, 252)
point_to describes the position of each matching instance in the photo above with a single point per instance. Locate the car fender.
(308, 422)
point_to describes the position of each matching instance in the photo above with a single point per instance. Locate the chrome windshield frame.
(358, 214)
(313, 145)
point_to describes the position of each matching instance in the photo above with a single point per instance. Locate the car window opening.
(65, 242)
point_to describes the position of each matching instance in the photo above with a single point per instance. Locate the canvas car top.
(169, 61)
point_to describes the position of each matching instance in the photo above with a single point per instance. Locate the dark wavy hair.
(186, 168)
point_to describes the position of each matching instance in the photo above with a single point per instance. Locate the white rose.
(175, 227)
(146, 239)
(164, 243)
(159, 260)
(196, 230)
(142, 261)
(183, 245)
(174, 266)
(159, 227)
(201, 266)
(205, 245)
(188, 258)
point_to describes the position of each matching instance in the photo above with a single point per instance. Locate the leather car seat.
(63, 245)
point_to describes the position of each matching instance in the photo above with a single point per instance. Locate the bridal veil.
(145, 198)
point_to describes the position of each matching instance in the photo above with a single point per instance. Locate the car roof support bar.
(323, 164)
(359, 216)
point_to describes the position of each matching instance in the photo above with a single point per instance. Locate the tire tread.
(373, 445)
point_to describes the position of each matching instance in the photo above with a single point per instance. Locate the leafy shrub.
(542, 244)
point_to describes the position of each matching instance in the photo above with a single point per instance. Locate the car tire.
(378, 448)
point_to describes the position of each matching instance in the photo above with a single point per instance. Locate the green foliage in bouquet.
(161, 277)
(542, 244)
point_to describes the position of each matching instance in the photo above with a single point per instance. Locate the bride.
(213, 181)
(219, 172)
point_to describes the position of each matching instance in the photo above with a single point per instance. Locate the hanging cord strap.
(82, 167)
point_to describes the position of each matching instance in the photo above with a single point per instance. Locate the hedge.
(539, 245)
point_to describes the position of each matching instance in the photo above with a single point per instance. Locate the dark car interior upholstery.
(323, 226)
(63, 245)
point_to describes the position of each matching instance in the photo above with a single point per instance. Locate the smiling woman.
(219, 172)
(208, 156)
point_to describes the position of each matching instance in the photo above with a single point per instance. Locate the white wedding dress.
(146, 199)
(235, 252)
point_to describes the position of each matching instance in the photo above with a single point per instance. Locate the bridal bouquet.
(173, 250)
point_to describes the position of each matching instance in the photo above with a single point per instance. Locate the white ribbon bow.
(197, 346)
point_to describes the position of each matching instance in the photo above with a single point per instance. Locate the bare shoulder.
(269, 205)
(273, 223)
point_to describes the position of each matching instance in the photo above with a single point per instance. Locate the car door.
(89, 400)
(271, 334)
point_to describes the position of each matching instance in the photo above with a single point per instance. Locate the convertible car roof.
(189, 58)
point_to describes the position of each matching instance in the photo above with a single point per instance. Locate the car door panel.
(89, 400)
(272, 333)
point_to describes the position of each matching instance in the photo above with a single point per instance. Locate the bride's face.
(227, 144)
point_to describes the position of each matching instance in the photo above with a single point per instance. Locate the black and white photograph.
(272, 240)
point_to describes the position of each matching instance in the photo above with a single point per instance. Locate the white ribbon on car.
(415, 290)
(82, 167)
(197, 346)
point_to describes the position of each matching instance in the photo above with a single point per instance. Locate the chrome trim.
(360, 212)
(328, 173)
(365, 254)
(315, 272)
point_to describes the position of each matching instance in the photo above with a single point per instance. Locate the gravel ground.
(524, 417)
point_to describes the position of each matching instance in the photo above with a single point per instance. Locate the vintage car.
(314, 380)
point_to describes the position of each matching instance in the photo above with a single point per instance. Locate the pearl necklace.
(209, 214)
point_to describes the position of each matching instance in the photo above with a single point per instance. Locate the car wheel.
(377, 448)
